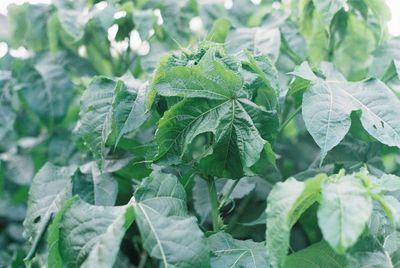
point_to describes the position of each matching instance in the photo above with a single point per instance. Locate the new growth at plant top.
(195, 133)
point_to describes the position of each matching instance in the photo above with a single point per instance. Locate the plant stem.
(212, 192)
(228, 194)
(290, 117)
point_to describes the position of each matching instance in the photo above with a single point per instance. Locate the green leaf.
(229, 252)
(384, 55)
(208, 79)
(259, 40)
(368, 252)
(219, 31)
(315, 256)
(286, 202)
(328, 103)
(27, 26)
(47, 90)
(90, 236)
(95, 187)
(345, 210)
(72, 17)
(328, 9)
(168, 233)
(54, 257)
(50, 188)
(110, 106)
(353, 60)
(240, 128)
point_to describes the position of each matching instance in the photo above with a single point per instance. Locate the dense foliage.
(163, 133)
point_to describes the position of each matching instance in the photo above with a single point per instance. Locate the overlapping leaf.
(328, 103)
(84, 235)
(110, 106)
(168, 233)
(345, 210)
(230, 252)
(214, 104)
(286, 202)
(50, 188)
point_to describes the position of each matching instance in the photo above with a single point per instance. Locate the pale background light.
(394, 24)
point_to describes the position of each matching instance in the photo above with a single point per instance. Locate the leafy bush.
(200, 134)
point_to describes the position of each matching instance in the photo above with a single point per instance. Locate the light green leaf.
(54, 257)
(89, 236)
(353, 60)
(328, 9)
(316, 256)
(328, 103)
(214, 105)
(286, 202)
(344, 212)
(73, 17)
(384, 55)
(47, 90)
(168, 233)
(369, 252)
(229, 252)
(50, 188)
(388, 183)
(240, 128)
(110, 106)
(259, 40)
(208, 79)
(95, 187)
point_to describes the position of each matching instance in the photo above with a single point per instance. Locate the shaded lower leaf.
(168, 233)
(50, 188)
(229, 252)
(316, 256)
(286, 202)
(90, 236)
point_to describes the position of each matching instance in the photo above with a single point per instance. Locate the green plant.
(268, 138)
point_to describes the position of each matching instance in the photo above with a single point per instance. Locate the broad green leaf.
(54, 257)
(328, 9)
(219, 31)
(96, 114)
(369, 252)
(259, 40)
(353, 60)
(110, 106)
(27, 26)
(230, 252)
(344, 212)
(175, 15)
(384, 55)
(285, 204)
(214, 105)
(240, 128)
(90, 236)
(168, 233)
(315, 256)
(47, 90)
(130, 114)
(50, 188)
(388, 183)
(72, 16)
(208, 79)
(262, 77)
(328, 103)
(95, 187)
